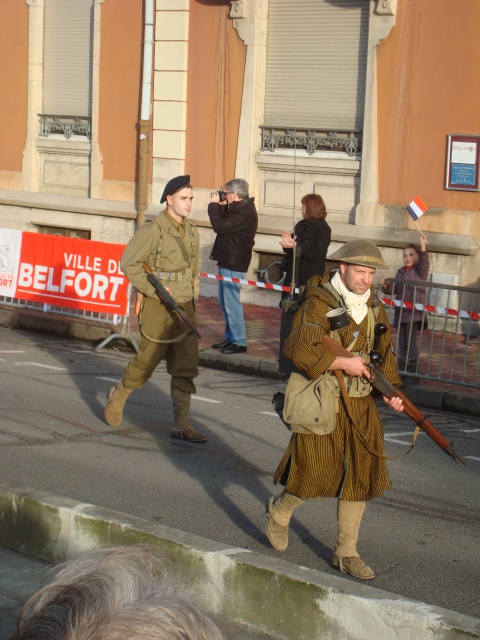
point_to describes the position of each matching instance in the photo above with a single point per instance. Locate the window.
(67, 66)
(316, 64)
(82, 234)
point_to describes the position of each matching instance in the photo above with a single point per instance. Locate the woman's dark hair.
(415, 247)
(314, 207)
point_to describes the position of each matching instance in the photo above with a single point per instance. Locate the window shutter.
(316, 63)
(67, 57)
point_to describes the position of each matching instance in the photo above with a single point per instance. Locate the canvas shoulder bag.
(311, 406)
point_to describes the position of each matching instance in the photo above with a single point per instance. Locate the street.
(421, 537)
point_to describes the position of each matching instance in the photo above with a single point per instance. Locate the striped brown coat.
(342, 463)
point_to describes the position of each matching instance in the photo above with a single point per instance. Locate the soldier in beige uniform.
(170, 247)
(349, 463)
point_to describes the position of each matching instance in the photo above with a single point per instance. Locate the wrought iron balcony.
(68, 125)
(311, 139)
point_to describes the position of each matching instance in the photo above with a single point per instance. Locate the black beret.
(174, 185)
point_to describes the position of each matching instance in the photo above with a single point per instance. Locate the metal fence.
(120, 322)
(441, 339)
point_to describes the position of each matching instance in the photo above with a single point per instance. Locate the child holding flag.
(410, 321)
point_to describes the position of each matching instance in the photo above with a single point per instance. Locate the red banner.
(67, 272)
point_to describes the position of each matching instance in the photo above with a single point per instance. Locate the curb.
(246, 364)
(271, 596)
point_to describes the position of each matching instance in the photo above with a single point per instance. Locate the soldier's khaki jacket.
(172, 258)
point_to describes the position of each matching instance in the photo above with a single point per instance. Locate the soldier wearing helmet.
(347, 464)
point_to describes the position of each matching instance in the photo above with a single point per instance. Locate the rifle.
(167, 299)
(386, 388)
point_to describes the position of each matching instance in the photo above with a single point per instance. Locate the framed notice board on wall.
(463, 155)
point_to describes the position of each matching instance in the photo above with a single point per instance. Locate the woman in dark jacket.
(312, 236)
(415, 269)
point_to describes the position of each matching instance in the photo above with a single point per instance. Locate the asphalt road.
(422, 537)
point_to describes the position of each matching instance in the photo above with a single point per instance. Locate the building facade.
(103, 101)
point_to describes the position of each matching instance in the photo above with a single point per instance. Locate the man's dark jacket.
(235, 225)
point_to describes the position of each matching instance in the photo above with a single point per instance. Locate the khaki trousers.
(182, 357)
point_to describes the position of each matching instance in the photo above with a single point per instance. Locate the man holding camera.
(234, 219)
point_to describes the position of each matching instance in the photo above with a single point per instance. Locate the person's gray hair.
(115, 594)
(238, 186)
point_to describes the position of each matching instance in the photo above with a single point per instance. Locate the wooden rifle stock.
(167, 299)
(386, 388)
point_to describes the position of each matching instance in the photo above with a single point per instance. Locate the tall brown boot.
(349, 517)
(117, 396)
(182, 427)
(279, 512)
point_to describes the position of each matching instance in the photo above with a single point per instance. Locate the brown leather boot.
(355, 566)
(279, 512)
(182, 427)
(346, 558)
(117, 396)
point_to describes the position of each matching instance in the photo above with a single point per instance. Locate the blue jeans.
(229, 301)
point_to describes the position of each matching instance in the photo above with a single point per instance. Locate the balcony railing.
(66, 125)
(311, 140)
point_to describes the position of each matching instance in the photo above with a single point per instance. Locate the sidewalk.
(263, 334)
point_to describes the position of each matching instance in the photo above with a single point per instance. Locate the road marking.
(406, 444)
(389, 437)
(195, 397)
(19, 351)
(116, 380)
(400, 433)
(38, 364)
(472, 458)
(269, 413)
(464, 430)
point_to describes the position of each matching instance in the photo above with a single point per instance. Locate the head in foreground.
(122, 593)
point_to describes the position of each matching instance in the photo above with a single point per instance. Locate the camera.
(222, 195)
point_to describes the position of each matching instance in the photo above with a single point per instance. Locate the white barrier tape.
(439, 311)
(253, 283)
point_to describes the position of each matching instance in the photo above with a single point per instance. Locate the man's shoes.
(221, 345)
(276, 533)
(354, 566)
(190, 435)
(234, 348)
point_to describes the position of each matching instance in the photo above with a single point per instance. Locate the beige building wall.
(169, 93)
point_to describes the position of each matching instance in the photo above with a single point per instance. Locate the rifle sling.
(182, 336)
(348, 407)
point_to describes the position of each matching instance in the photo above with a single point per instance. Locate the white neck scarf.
(356, 305)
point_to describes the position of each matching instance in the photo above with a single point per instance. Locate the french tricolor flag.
(417, 208)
